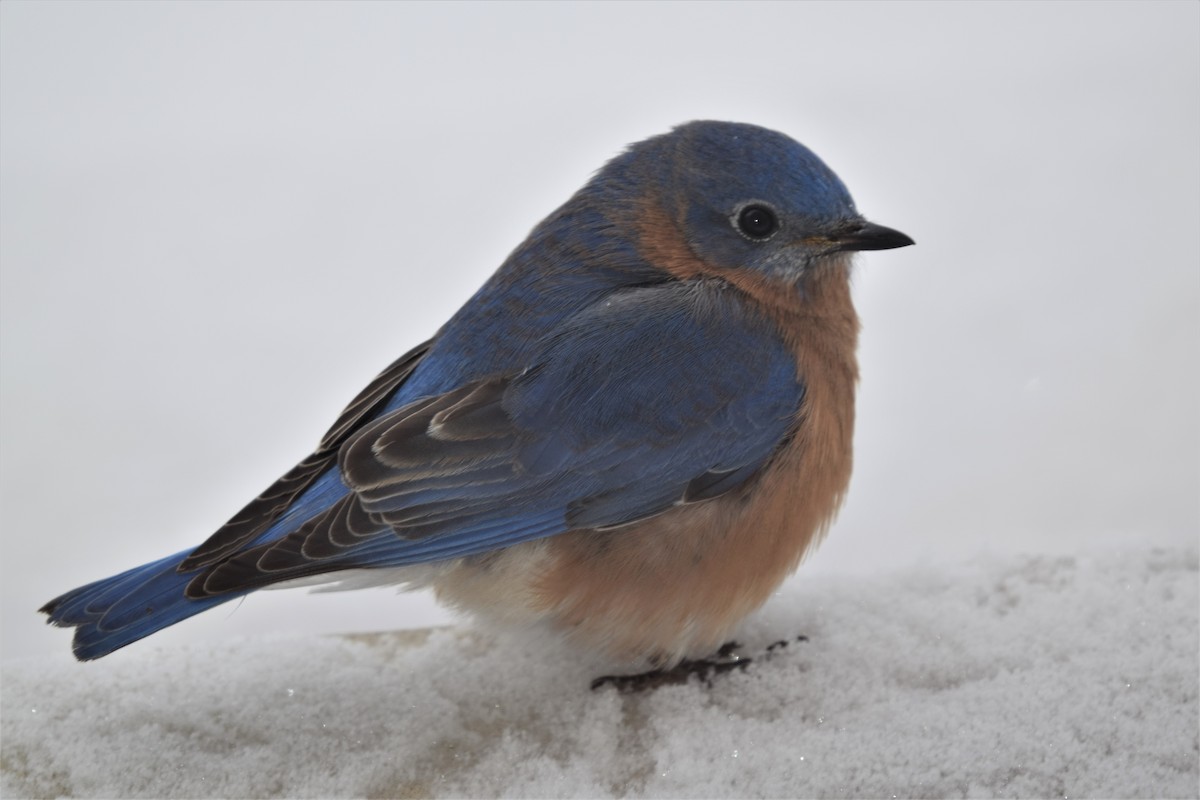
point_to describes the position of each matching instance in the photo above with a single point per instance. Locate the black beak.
(863, 235)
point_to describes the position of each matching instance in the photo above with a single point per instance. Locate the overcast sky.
(218, 221)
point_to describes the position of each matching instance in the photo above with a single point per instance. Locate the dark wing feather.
(260, 512)
(654, 398)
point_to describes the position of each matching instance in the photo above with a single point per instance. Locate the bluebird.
(632, 433)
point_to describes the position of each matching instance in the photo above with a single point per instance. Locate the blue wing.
(652, 397)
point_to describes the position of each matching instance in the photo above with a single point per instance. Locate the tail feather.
(111, 613)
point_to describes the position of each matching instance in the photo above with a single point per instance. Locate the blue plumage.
(589, 384)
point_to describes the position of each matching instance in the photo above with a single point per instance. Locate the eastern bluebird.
(633, 431)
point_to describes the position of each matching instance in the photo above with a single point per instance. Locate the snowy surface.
(1047, 676)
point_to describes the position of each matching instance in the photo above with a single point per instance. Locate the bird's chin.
(795, 271)
(786, 268)
(840, 261)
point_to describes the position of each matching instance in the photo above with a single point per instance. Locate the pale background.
(218, 221)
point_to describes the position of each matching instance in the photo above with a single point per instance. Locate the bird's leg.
(726, 659)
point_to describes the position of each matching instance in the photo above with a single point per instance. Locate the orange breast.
(676, 584)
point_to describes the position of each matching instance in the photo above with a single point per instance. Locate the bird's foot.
(726, 659)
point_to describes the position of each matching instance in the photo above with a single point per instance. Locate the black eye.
(757, 222)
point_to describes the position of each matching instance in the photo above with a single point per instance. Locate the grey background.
(218, 221)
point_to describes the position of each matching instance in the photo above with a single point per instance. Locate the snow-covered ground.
(1049, 676)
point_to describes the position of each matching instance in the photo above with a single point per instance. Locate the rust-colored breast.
(677, 583)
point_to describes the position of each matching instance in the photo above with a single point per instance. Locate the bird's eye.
(757, 222)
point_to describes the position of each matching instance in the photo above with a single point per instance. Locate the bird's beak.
(863, 235)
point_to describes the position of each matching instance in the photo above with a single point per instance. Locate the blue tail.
(117, 611)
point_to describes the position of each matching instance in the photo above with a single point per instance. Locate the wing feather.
(262, 511)
(655, 397)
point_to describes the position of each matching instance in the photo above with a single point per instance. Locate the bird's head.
(743, 197)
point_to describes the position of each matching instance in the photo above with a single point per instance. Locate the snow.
(1013, 676)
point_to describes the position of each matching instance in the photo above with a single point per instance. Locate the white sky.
(218, 221)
